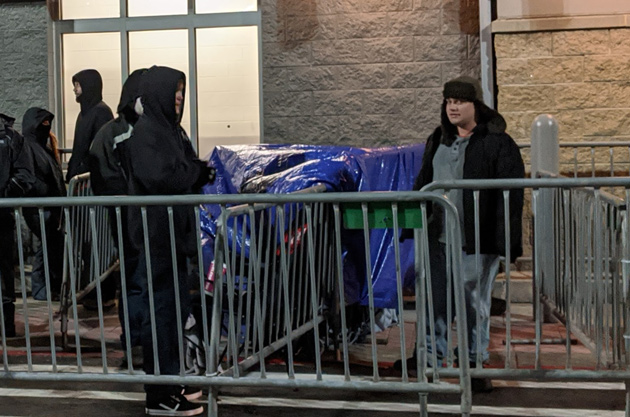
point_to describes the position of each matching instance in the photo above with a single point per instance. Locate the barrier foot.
(213, 408)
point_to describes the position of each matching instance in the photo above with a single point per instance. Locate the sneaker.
(173, 405)
(191, 393)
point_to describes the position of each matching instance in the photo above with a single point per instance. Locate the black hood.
(157, 88)
(130, 91)
(486, 118)
(6, 120)
(91, 88)
(32, 119)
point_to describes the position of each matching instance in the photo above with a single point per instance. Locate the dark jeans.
(168, 342)
(54, 241)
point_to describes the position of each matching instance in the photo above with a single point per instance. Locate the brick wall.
(24, 58)
(362, 72)
(581, 77)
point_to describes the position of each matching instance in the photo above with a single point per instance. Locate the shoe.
(481, 385)
(173, 405)
(191, 393)
(412, 364)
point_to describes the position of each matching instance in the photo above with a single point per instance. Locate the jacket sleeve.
(106, 174)
(510, 165)
(22, 179)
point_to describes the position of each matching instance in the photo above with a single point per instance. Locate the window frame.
(125, 24)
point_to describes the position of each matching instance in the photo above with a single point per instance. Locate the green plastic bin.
(380, 215)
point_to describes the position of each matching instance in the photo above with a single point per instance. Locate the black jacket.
(16, 165)
(159, 160)
(94, 114)
(106, 174)
(48, 174)
(491, 154)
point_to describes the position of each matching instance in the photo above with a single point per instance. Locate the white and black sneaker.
(191, 393)
(172, 405)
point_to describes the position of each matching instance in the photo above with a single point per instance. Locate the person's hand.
(14, 189)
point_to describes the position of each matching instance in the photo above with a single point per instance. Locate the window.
(217, 45)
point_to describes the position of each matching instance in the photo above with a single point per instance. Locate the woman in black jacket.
(42, 144)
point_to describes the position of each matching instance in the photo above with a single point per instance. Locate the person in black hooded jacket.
(88, 89)
(159, 160)
(42, 145)
(471, 143)
(108, 178)
(16, 180)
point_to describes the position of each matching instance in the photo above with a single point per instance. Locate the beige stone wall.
(516, 9)
(362, 72)
(581, 77)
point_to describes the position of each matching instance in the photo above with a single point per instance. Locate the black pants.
(7, 247)
(54, 243)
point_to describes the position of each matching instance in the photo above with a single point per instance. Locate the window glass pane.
(167, 48)
(156, 7)
(89, 9)
(224, 6)
(228, 87)
(99, 51)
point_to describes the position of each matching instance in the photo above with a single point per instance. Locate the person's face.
(461, 113)
(77, 91)
(179, 98)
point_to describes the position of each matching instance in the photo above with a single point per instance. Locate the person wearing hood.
(88, 90)
(108, 178)
(42, 145)
(471, 143)
(16, 180)
(159, 160)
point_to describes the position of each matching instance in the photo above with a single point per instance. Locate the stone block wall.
(582, 77)
(24, 64)
(362, 72)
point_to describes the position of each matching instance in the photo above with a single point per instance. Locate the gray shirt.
(448, 164)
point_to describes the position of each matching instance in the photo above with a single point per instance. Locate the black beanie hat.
(463, 88)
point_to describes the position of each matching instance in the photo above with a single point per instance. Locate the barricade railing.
(580, 267)
(92, 256)
(299, 237)
(594, 159)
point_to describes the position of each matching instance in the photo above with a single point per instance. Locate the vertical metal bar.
(508, 258)
(51, 328)
(123, 288)
(575, 162)
(255, 254)
(231, 272)
(73, 292)
(479, 355)
(217, 297)
(342, 297)
(567, 271)
(178, 307)
(369, 283)
(99, 293)
(285, 290)
(202, 293)
(399, 293)
(314, 303)
(147, 254)
(598, 278)
(537, 276)
(592, 162)
(427, 294)
(18, 224)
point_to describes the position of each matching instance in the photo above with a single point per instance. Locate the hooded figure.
(470, 143)
(88, 87)
(108, 178)
(159, 159)
(106, 174)
(16, 180)
(42, 145)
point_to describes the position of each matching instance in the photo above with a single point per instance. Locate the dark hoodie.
(48, 175)
(159, 159)
(106, 174)
(16, 165)
(491, 154)
(94, 114)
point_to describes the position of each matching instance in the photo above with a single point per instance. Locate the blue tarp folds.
(288, 168)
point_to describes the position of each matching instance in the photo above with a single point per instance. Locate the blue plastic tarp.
(289, 168)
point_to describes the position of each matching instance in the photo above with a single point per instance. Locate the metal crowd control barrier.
(583, 159)
(89, 252)
(580, 268)
(285, 286)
